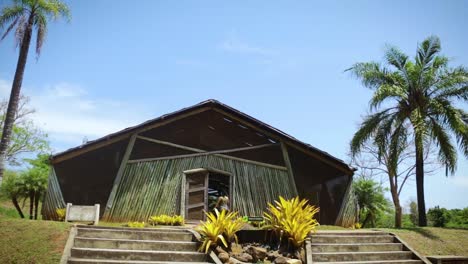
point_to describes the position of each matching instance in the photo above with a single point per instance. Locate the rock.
(294, 261)
(224, 257)
(258, 253)
(244, 257)
(236, 249)
(272, 255)
(234, 261)
(281, 260)
(220, 250)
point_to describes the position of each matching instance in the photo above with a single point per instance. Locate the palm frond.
(447, 152)
(396, 57)
(372, 74)
(368, 127)
(54, 8)
(41, 25)
(385, 92)
(427, 50)
(9, 28)
(10, 14)
(21, 29)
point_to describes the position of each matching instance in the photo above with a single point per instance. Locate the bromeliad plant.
(175, 220)
(292, 219)
(219, 229)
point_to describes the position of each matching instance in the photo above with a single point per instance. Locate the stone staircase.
(364, 247)
(134, 246)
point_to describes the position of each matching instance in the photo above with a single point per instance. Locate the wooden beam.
(118, 177)
(109, 139)
(287, 162)
(167, 143)
(287, 142)
(219, 154)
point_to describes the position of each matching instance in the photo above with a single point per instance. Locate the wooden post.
(287, 162)
(118, 177)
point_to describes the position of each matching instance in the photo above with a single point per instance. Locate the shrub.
(293, 219)
(219, 227)
(61, 213)
(136, 224)
(175, 220)
(438, 216)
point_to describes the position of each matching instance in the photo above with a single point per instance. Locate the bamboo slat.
(154, 187)
(53, 198)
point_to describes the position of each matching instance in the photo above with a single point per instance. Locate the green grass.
(30, 241)
(434, 240)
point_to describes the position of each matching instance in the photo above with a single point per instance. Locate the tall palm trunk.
(31, 204)
(15, 94)
(422, 221)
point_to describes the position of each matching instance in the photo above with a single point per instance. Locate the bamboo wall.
(53, 198)
(154, 187)
(349, 212)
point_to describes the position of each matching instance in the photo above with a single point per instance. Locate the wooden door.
(196, 195)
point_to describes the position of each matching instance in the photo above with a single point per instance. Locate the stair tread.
(362, 253)
(358, 244)
(136, 240)
(138, 251)
(135, 230)
(131, 261)
(372, 261)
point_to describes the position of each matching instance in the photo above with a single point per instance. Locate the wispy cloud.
(68, 113)
(233, 43)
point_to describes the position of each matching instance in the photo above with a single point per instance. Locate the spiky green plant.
(219, 227)
(415, 98)
(293, 218)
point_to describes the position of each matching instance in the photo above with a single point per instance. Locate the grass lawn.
(434, 240)
(30, 241)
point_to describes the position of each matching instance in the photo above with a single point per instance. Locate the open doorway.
(218, 186)
(201, 191)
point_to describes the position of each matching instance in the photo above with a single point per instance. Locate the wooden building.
(181, 162)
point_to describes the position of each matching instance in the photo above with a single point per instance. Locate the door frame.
(183, 197)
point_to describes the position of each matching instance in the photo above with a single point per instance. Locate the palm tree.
(415, 98)
(25, 16)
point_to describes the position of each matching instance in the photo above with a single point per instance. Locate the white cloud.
(68, 113)
(234, 44)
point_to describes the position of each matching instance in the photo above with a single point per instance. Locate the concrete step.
(163, 228)
(103, 261)
(131, 255)
(351, 239)
(351, 233)
(358, 247)
(87, 242)
(412, 261)
(135, 234)
(361, 256)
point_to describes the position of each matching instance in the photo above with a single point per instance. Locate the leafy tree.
(371, 200)
(13, 187)
(415, 98)
(25, 16)
(396, 168)
(438, 216)
(30, 183)
(26, 137)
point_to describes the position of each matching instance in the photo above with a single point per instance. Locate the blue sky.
(119, 63)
